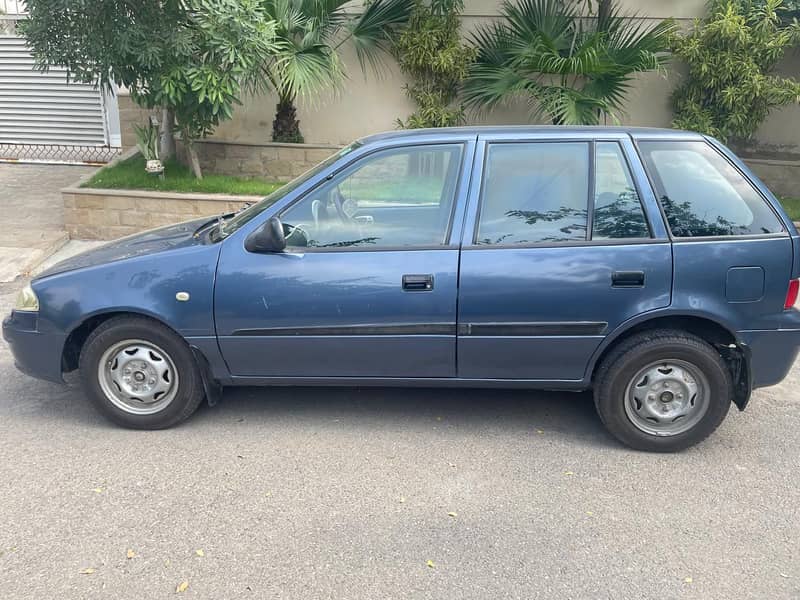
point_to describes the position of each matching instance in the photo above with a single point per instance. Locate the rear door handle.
(627, 279)
(417, 283)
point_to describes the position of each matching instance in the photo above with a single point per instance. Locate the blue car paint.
(537, 286)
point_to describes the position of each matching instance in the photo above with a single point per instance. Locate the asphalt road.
(348, 493)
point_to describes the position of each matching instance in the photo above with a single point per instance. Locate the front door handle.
(627, 279)
(417, 283)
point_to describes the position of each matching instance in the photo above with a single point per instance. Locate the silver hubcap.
(667, 397)
(138, 377)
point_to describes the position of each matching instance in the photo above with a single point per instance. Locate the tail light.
(791, 294)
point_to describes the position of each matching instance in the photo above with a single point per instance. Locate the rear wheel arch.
(722, 338)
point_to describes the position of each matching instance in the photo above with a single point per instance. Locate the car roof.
(533, 130)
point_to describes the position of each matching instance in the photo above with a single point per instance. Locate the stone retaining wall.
(781, 176)
(278, 162)
(93, 214)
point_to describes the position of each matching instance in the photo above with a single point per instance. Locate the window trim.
(656, 184)
(637, 188)
(447, 238)
(588, 241)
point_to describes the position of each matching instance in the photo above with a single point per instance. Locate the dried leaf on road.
(430, 564)
(402, 499)
(568, 473)
(687, 580)
(182, 587)
(452, 514)
(199, 552)
(97, 490)
(86, 571)
(130, 554)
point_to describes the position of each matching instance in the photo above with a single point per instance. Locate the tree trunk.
(286, 127)
(603, 10)
(166, 134)
(191, 152)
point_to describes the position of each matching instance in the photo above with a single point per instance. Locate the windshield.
(227, 227)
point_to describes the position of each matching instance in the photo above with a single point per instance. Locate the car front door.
(367, 285)
(558, 251)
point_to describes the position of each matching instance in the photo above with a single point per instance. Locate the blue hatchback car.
(649, 265)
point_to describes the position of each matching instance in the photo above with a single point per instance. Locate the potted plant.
(147, 141)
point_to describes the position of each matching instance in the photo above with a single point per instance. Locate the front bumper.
(35, 353)
(772, 354)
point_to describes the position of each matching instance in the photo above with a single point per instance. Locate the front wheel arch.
(77, 337)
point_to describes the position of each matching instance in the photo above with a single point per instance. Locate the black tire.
(626, 360)
(190, 390)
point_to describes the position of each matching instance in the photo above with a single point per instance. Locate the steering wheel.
(297, 230)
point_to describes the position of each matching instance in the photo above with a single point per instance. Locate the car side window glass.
(702, 194)
(618, 212)
(534, 192)
(393, 198)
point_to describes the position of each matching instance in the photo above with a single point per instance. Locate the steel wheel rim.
(138, 377)
(667, 397)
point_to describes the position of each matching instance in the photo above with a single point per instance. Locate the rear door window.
(702, 194)
(534, 192)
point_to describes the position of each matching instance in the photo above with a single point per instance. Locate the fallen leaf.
(199, 552)
(97, 490)
(182, 587)
(784, 575)
(452, 465)
(590, 513)
(430, 564)
(402, 499)
(452, 514)
(131, 554)
(268, 494)
(687, 580)
(167, 562)
(568, 473)
(86, 571)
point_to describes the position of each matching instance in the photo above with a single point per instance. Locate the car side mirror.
(267, 238)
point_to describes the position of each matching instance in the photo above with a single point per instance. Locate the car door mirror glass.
(269, 237)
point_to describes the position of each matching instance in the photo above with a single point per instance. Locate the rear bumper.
(36, 354)
(772, 354)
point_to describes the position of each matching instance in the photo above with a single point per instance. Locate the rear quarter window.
(702, 194)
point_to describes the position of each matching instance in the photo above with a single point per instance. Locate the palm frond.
(572, 70)
(373, 31)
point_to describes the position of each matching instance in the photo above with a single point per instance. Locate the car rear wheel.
(663, 391)
(140, 374)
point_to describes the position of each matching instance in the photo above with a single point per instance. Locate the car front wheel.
(663, 390)
(140, 374)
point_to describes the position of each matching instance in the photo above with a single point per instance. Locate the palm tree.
(571, 69)
(311, 33)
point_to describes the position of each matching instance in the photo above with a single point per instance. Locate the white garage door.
(42, 117)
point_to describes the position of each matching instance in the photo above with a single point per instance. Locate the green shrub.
(731, 55)
(431, 53)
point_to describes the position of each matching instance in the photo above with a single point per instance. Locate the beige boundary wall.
(94, 214)
(370, 104)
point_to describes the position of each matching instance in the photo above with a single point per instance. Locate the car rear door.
(367, 285)
(561, 245)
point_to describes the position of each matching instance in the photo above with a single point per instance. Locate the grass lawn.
(129, 174)
(792, 207)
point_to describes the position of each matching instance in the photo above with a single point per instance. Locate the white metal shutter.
(42, 108)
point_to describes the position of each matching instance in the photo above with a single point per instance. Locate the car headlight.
(27, 300)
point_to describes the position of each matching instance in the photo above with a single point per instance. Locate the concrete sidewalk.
(32, 214)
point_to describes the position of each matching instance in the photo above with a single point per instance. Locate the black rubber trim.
(397, 329)
(469, 329)
(533, 329)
